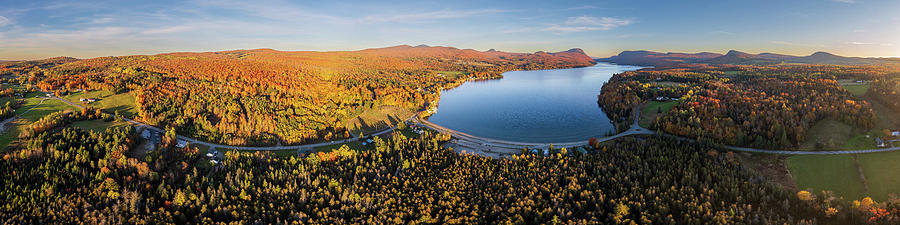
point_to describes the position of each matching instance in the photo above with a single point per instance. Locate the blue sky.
(84, 29)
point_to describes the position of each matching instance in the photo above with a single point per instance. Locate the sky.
(34, 29)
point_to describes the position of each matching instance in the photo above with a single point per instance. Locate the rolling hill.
(649, 58)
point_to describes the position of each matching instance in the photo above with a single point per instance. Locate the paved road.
(491, 146)
(493, 143)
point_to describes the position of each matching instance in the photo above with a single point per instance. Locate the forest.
(265, 97)
(75, 176)
(755, 106)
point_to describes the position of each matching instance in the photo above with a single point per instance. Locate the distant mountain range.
(650, 58)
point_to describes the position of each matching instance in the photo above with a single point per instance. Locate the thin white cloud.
(428, 16)
(858, 43)
(845, 1)
(167, 30)
(102, 20)
(578, 24)
(4, 21)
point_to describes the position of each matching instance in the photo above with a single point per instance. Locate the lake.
(545, 106)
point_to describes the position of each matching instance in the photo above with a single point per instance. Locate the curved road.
(634, 130)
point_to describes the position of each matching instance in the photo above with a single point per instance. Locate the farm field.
(107, 101)
(839, 173)
(651, 110)
(373, 120)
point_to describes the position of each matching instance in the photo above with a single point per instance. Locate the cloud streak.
(579, 24)
(4, 21)
(428, 16)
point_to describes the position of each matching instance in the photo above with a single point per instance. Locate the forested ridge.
(263, 96)
(755, 106)
(74, 176)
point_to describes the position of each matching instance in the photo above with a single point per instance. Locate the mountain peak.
(735, 53)
(576, 50)
(822, 54)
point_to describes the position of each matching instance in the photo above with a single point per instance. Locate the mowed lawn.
(836, 173)
(882, 172)
(379, 118)
(107, 101)
(651, 111)
(858, 89)
(839, 174)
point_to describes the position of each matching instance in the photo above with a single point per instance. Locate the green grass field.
(881, 173)
(836, 173)
(856, 89)
(377, 119)
(839, 174)
(11, 133)
(832, 133)
(107, 101)
(649, 112)
(39, 111)
(450, 74)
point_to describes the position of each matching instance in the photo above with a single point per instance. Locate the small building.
(880, 143)
(212, 153)
(181, 143)
(146, 134)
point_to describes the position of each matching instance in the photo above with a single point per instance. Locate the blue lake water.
(531, 106)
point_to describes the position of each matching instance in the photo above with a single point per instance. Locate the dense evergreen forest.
(265, 97)
(755, 106)
(71, 176)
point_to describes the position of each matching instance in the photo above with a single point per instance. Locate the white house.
(880, 143)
